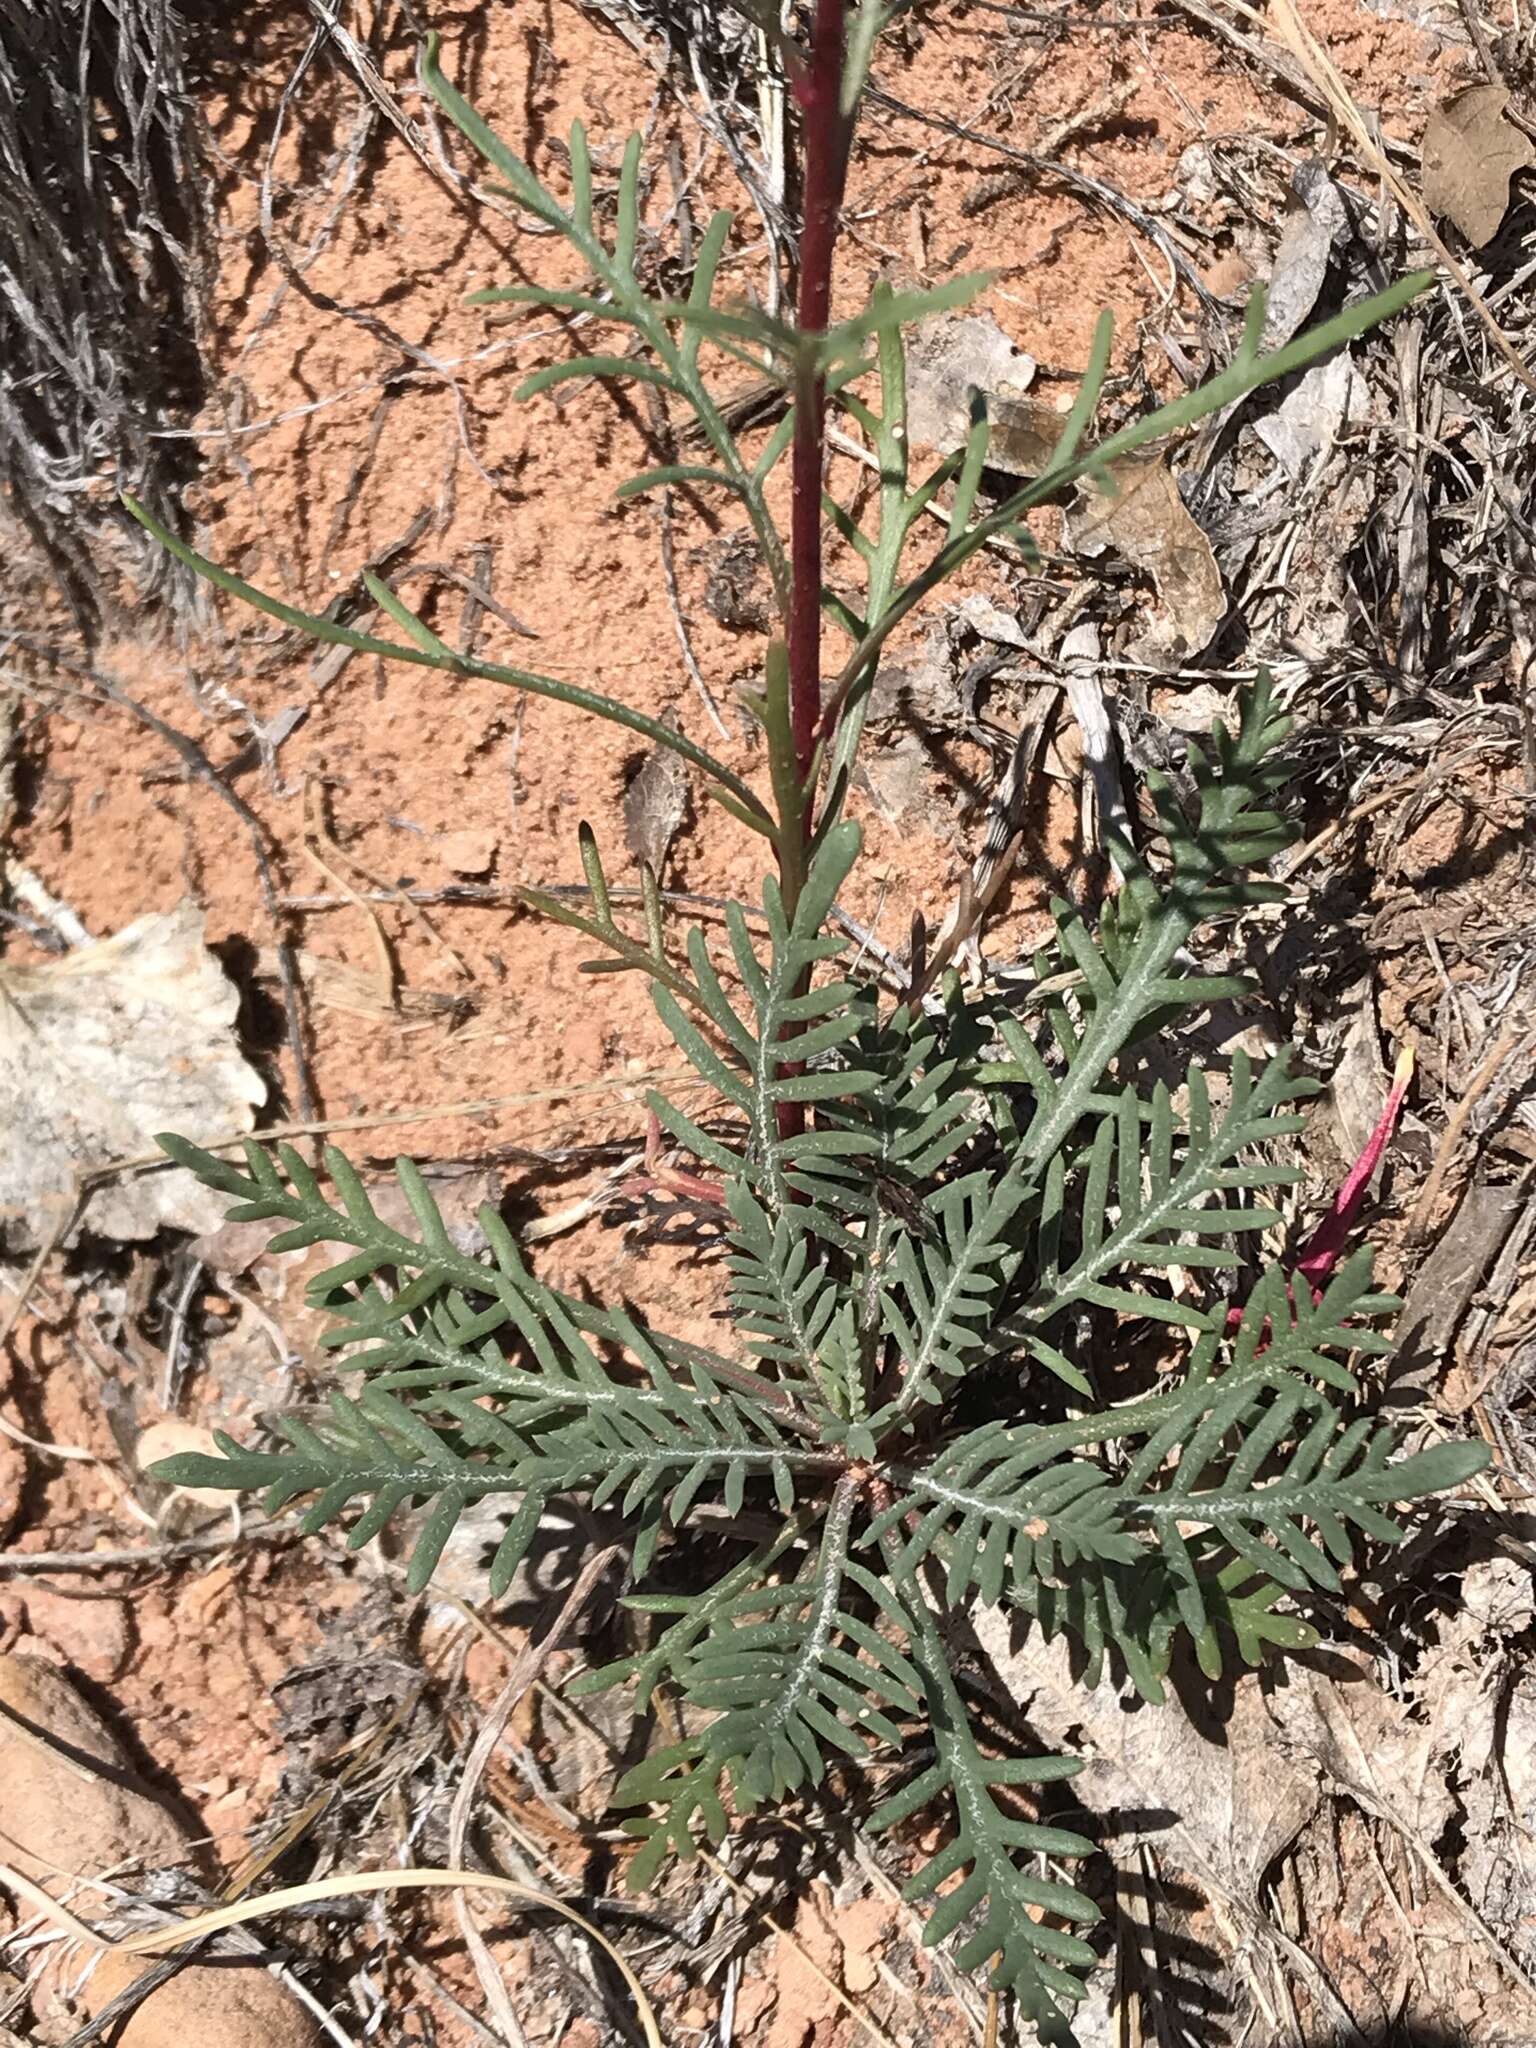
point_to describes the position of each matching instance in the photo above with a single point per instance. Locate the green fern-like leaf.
(1332, 1476)
(1004, 1518)
(782, 1048)
(377, 1449)
(500, 1363)
(792, 1674)
(1011, 1914)
(1172, 1190)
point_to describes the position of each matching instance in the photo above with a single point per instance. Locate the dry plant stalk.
(105, 267)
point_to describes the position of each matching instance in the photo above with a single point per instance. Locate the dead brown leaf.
(1369, 1744)
(1316, 224)
(951, 356)
(1141, 515)
(1138, 512)
(338, 985)
(1471, 151)
(1220, 1803)
(1025, 434)
(655, 806)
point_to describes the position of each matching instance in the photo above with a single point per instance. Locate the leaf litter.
(1472, 152)
(1135, 507)
(98, 1052)
(1138, 511)
(953, 356)
(1316, 230)
(656, 807)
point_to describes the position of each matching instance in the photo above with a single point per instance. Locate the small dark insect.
(901, 1201)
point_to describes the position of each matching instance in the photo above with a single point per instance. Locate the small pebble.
(468, 853)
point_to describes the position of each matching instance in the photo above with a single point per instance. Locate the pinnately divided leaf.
(780, 1045)
(377, 1449)
(794, 1677)
(1013, 1917)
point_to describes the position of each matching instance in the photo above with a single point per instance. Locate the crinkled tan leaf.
(1141, 515)
(1329, 398)
(948, 358)
(1368, 1743)
(98, 1052)
(1470, 154)
(1316, 225)
(655, 805)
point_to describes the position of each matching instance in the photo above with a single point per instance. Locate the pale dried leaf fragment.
(900, 777)
(359, 991)
(1360, 1081)
(1461, 1689)
(655, 807)
(952, 356)
(101, 1050)
(1139, 512)
(1219, 1802)
(1316, 227)
(1498, 1802)
(1309, 419)
(173, 1438)
(1370, 1744)
(988, 621)
(1471, 152)
(919, 693)
(1482, 1671)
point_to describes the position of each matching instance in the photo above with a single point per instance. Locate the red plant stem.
(1316, 1264)
(826, 132)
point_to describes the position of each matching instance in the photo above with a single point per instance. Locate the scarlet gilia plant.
(951, 1217)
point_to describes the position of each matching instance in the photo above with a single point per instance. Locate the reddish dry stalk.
(1316, 1264)
(818, 89)
(826, 131)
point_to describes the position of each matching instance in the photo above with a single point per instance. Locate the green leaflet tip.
(194, 1468)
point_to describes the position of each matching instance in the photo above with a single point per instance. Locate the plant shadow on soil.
(1409, 2035)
